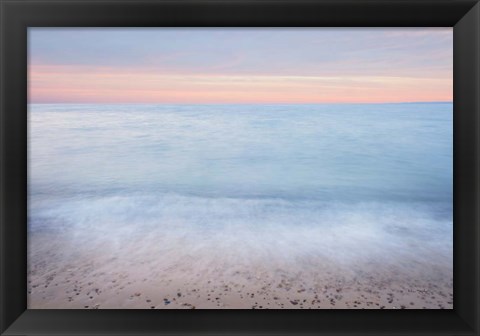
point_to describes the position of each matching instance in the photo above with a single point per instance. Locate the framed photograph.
(220, 167)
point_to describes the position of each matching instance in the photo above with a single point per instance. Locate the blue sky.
(191, 65)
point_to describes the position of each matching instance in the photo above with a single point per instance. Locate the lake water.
(348, 184)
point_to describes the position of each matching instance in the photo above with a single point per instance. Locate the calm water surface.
(367, 181)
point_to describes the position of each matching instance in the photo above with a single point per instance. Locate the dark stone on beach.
(294, 302)
(179, 294)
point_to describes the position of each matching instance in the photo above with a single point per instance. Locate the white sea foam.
(269, 231)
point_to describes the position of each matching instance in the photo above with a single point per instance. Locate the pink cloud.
(107, 85)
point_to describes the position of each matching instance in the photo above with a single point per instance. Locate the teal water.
(373, 179)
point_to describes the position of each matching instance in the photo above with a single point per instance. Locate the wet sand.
(89, 279)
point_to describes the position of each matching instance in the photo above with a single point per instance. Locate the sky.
(240, 65)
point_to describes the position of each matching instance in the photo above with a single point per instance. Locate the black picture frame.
(17, 15)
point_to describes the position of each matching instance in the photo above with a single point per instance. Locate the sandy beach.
(87, 279)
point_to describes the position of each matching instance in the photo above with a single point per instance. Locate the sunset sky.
(240, 65)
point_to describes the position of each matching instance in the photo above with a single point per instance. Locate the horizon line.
(242, 103)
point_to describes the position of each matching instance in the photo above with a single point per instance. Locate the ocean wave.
(249, 229)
